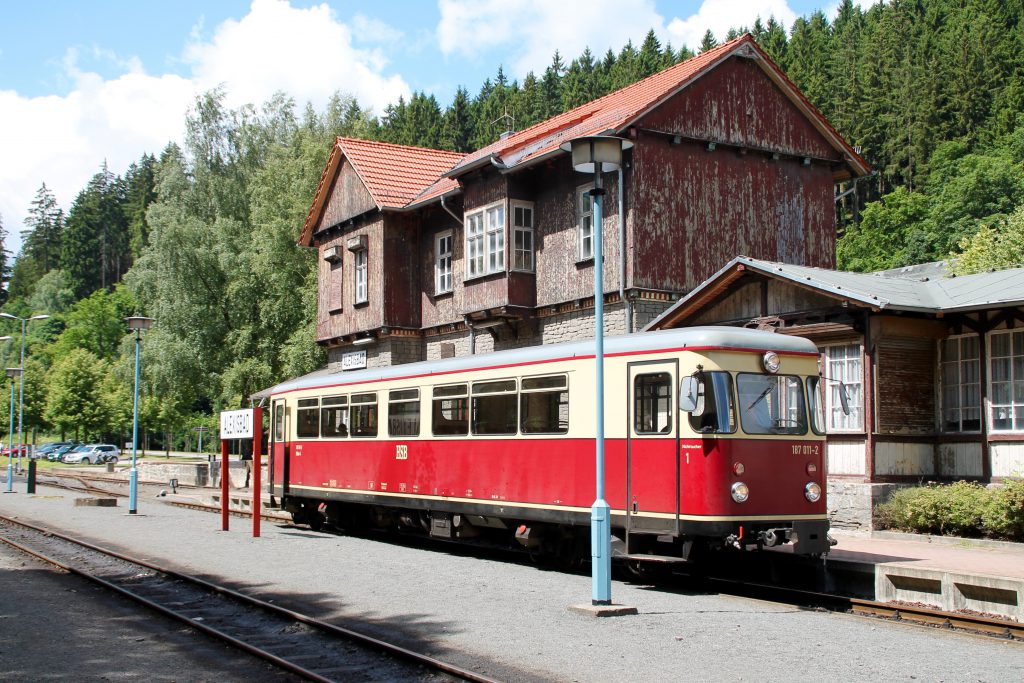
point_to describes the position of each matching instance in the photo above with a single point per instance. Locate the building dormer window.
(522, 236)
(443, 263)
(585, 214)
(485, 241)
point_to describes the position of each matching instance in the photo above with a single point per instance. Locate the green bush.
(954, 510)
(1004, 515)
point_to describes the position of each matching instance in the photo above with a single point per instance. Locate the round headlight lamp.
(812, 492)
(738, 468)
(740, 492)
(771, 361)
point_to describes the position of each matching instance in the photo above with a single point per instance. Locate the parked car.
(47, 448)
(93, 453)
(7, 450)
(58, 454)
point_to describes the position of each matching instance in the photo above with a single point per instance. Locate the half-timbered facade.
(427, 254)
(933, 366)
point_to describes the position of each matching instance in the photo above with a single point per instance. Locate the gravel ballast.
(510, 620)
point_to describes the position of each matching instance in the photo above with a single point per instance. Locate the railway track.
(906, 613)
(294, 642)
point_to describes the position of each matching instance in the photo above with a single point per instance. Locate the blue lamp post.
(598, 154)
(137, 324)
(21, 390)
(12, 373)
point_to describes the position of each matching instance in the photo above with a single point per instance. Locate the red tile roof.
(394, 175)
(403, 177)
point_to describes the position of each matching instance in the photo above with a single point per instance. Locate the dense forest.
(202, 237)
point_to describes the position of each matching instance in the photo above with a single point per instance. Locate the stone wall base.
(850, 503)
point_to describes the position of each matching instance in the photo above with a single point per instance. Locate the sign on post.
(236, 424)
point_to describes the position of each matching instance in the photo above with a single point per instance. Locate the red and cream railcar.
(712, 434)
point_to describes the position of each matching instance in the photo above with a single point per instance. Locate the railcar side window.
(404, 412)
(307, 424)
(814, 398)
(544, 405)
(334, 416)
(278, 421)
(719, 416)
(363, 414)
(771, 404)
(495, 407)
(450, 413)
(652, 403)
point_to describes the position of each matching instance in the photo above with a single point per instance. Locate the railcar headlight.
(738, 468)
(771, 361)
(811, 468)
(812, 492)
(740, 492)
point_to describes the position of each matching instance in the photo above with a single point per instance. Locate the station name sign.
(354, 360)
(236, 424)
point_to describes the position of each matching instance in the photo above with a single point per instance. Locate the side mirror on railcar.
(691, 395)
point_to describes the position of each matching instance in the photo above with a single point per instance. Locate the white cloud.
(63, 140)
(530, 31)
(307, 53)
(721, 15)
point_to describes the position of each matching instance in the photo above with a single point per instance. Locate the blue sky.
(86, 82)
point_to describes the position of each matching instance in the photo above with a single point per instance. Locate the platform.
(949, 573)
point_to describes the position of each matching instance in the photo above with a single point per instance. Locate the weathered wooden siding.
(353, 317)
(561, 275)
(905, 397)
(960, 459)
(738, 104)
(904, 459)
(845, 456)
(401, 270)
(761, 298)
(348, 197)
(439, 309)
(693, 210)
(1007, 459)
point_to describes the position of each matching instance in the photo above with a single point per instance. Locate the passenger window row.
(532, 405)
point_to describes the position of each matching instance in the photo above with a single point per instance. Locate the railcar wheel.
(649, 572)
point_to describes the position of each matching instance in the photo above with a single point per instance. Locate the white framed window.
(360, 272)
(485, 241)
(585, 222)
(960, 384)
(443, 262)
(522, 236)
(843, 367)
(1006, 380)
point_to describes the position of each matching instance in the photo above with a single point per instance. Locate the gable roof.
(401, 177)
(914, 289)
(394, 175)
(615, 112)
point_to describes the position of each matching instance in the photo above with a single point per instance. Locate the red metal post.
(257, 466)
(224, 484)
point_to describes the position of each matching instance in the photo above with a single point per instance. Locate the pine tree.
(708, 42)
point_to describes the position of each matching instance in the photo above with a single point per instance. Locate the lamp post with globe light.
(21, 390)
(598, 154)
(137, 324)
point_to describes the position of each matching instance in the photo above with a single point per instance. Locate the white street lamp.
(21, 390)
(137, 324)
(597, 154)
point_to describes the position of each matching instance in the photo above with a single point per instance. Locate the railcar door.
(277, 468)
(652, 448)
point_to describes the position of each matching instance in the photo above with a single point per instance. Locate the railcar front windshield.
(771, 404)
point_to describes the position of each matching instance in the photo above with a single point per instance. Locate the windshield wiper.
(758, 399)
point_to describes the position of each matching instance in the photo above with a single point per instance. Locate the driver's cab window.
(652, 403)
(716, 409)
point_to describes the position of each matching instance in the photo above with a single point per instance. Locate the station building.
(427, 254)
(933, 365)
